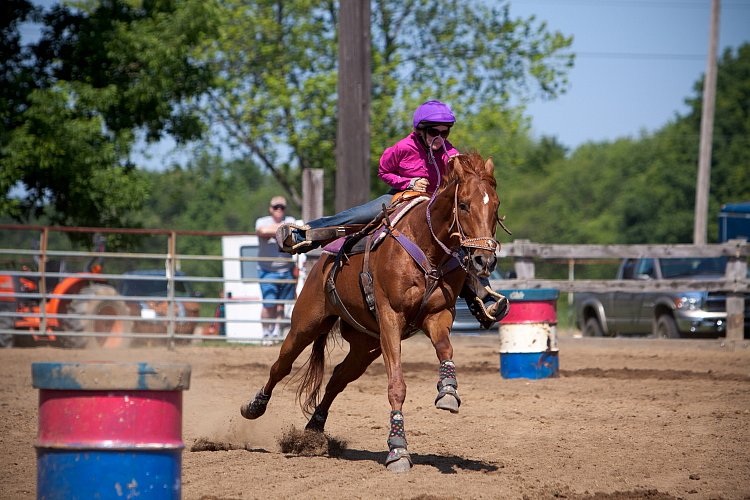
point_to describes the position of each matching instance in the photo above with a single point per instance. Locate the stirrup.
(500, 308)
(285, 238)
(489, 316)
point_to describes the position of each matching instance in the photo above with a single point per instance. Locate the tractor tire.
(116, 326)
(6, 323)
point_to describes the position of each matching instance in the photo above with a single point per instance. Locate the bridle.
(465, 244)
(480, 243)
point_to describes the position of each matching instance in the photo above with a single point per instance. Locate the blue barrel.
(528, 334)
(109, 430)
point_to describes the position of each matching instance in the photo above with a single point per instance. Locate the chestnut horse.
(455, 232)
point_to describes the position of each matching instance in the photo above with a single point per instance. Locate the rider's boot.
(490, 308)
(294, 239)
(496, 306)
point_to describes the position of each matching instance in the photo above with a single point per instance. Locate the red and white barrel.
(109, 430)
(528, 334)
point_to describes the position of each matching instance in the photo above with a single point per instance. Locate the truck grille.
(717, 302)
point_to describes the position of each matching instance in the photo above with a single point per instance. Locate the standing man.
(265, 228)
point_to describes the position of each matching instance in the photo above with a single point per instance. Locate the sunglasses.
(432, 131)
(278, 207)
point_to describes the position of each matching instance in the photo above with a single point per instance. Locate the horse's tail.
(312, 379)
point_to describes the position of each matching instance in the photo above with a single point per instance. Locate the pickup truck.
(664, 314)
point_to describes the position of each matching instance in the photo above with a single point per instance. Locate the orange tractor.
(89, 302)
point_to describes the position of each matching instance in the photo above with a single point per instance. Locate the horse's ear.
(489, 167)
(456, 165)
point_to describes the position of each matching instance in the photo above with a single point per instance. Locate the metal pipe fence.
(42, 300)
(34, 307)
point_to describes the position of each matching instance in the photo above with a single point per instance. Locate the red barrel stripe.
(532, 312)
(110, 419)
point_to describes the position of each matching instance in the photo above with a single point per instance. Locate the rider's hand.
(421, 185)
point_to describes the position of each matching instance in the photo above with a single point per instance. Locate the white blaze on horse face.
(485, 198)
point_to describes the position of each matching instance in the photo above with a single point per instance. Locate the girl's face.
(435, 136)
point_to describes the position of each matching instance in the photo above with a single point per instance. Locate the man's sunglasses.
(278, 207)
(435, 132)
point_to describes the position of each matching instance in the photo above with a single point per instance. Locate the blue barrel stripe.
(71, 475)
(532, 365)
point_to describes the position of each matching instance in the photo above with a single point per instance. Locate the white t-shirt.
(267, 247)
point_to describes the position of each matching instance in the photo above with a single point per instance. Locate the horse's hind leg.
(309, 321)
(363, 350)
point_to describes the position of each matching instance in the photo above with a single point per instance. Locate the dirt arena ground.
(626, 418)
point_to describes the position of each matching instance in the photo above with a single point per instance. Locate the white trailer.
(242, 291)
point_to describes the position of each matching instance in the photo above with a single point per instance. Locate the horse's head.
(475, 209)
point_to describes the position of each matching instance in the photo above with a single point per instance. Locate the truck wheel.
(116, 326)
(665, 327)
(6, 323)
(592, 328)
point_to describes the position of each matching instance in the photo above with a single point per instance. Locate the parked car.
(150, 287)
(664, 314)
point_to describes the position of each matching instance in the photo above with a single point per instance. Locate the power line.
(698, 4)
(635, 55)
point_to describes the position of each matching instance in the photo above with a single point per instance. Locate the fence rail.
(735, 281)
(42, 322)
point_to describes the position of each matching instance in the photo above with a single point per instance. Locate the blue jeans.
(361, 214)
(276, 291)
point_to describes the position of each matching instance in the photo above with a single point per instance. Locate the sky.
(637, 61)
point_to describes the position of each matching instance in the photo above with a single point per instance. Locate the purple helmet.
(433, 113)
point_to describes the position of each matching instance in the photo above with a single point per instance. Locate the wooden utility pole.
(353, 134)
(312, 193)
(703, 185)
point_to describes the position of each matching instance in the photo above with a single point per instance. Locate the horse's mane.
(471, 164)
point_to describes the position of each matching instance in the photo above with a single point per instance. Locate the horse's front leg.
(391, 326)
(437, 327)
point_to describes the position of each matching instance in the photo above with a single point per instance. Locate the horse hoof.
(250, 411)
(255, 408)
(398, 460)
(400, 465)
(447, 402)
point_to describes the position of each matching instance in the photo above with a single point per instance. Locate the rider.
(407, 165)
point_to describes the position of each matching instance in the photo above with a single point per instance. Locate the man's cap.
(278, 200)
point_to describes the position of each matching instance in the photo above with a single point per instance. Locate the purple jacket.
(408, 159)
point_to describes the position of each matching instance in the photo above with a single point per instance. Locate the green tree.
(275, 91)
(67, 164)
(641, 190)
(102, 73)
(16, 78)
(208, 193)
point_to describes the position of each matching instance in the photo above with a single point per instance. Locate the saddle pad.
(334, 247)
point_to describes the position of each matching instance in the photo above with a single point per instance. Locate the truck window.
(249, 270)
(628, 269)
(646, 266)
(672, 268)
